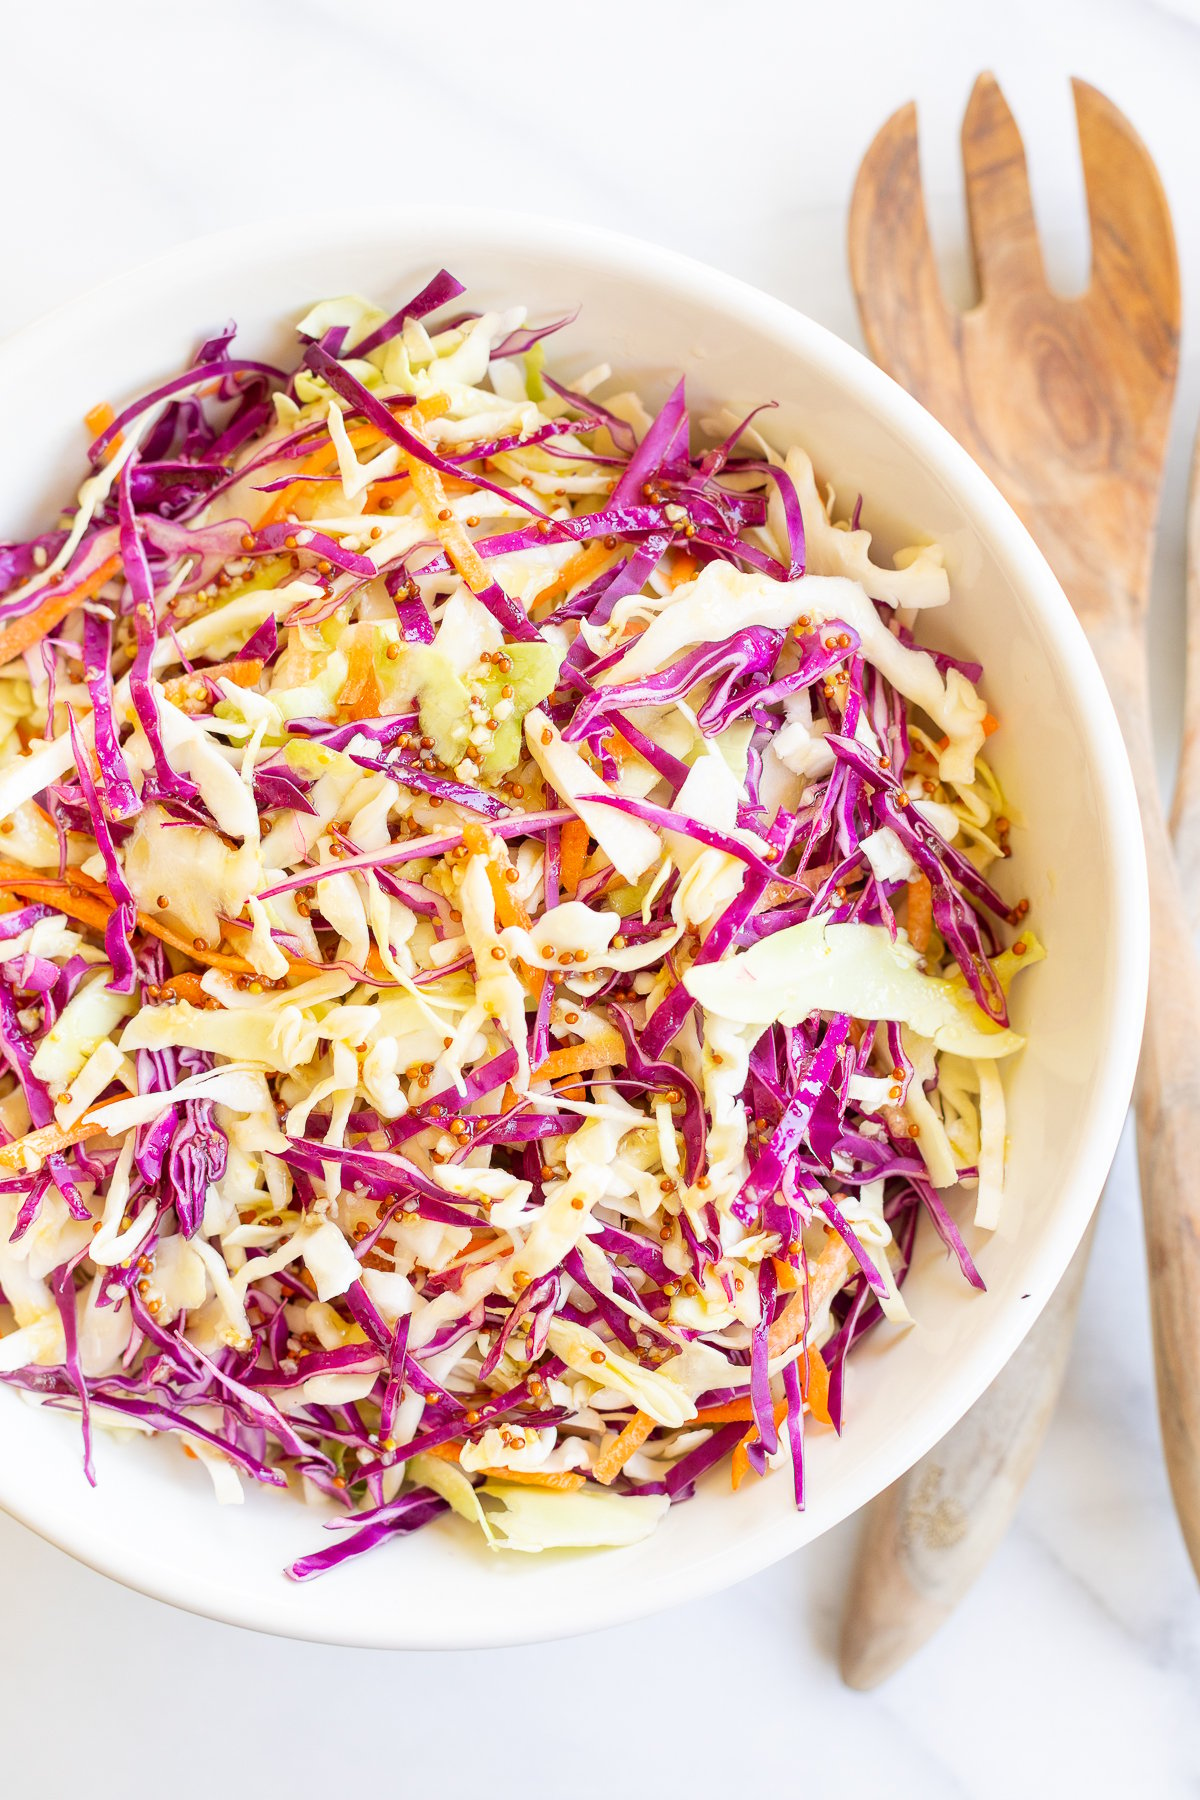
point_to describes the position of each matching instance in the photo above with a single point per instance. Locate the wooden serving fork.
(1066, 404)
(1185, 814)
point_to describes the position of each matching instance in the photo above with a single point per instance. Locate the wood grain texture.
(1185, 814)
(926, 1538)
(1066, 404)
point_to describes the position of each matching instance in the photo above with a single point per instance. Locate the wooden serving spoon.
(1066, 404)
(1185, 814)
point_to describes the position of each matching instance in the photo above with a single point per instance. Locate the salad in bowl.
(498, 940)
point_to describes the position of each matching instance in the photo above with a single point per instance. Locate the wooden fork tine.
(891, 257)
(1133, 241)
(1004, 239)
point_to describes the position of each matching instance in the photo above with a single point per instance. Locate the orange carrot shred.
(787, 1278)
(98, 420)
(683, 568)
(575, 838)
(431, 492)
(186, 691)
(730, 1412)
(920, 912)
(286, 500)
(817, 1393)
(90, 904)
(610, 1462)
(31, 627)
(578, 568)
(38, 1145)
(563, 1481)
(575, 1059)
(444, 1452)
(509, 909)
(739, 1466)
(360, 696)
(186, 987)
(826, 1275)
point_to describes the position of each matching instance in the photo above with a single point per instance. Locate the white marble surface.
(733, 133)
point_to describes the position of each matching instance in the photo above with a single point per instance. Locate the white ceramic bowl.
(152, 1521)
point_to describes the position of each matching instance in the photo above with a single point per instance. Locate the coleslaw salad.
(499, 952)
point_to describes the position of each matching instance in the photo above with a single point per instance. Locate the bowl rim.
(1009, 541)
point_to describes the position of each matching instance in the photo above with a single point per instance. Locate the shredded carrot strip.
(444, 1452)
(36, 1146)
(431, 492)
(578, 568)
(186, 987)
(786, 1277)
(185, 691)
(361, 696)
(376, 966)
(575, 1059)
(451, 532)
(81, 906)
(731, 1412)
(920, 912)
(739, 1466)
(575, 838)
(817, 1395)
(214, 959)
(509, 909)
(830, 1272)
(33, 626)
(509, 1098)
(683, 568)
(610, 1462)
(316, 463)
(390, 489)
(89, 904)
(99, 419)
(562, 1481)
(288, 499)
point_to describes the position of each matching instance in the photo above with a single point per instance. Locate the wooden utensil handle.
(928, 1537)
(1168, 1101)
(1185, 812)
